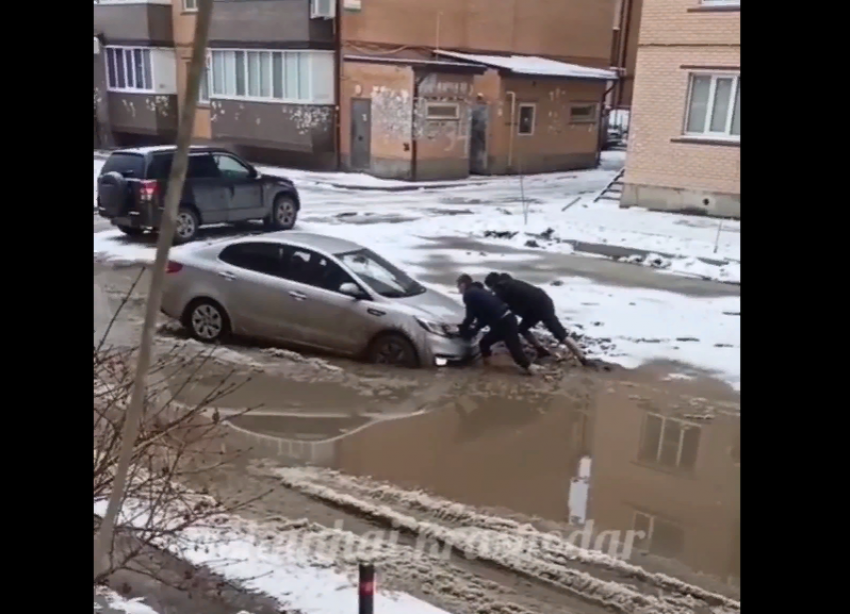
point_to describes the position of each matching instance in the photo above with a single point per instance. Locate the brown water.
(618, 451)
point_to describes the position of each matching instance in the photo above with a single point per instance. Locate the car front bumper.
(445, 351)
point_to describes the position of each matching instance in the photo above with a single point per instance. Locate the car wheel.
(284, 213)
(130, 231)
(393, 349)
(206, 320)
(186, 227)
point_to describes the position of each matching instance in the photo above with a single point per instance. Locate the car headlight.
(437, 328)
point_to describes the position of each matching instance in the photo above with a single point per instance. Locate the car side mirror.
(352, 290)
(252, 173)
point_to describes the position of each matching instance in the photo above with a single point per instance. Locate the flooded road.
(586, 453)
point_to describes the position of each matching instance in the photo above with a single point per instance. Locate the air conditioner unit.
(322, 9)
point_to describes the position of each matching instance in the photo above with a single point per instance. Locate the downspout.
(625, 22)
(414, 140)
(338, 84)
(512, 129)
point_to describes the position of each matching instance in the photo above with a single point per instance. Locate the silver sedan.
(313, 291)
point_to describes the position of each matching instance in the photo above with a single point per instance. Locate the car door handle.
(298, 296)
(228, 276)
(376, 312)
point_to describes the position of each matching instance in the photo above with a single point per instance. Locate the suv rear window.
(128, 164)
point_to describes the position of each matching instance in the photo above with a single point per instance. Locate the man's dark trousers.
(506, 330)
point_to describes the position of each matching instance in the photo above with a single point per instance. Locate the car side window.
(201, 166)
(264, 258)
(160, 167)
(231, 168)
(307, 267)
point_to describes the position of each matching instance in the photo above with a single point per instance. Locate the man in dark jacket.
(534, 306)
(484, 309)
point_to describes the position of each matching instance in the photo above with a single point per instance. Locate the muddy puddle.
(650, 451)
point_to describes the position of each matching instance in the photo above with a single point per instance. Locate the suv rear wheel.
(186, 227)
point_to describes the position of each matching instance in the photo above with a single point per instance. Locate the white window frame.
(190, 6)
(720, 2)
(442, 118)
(322, 9)
(594, 118)
(533, 106)
(309, 99)
(683, 425)
(113, 87)
(712, 91)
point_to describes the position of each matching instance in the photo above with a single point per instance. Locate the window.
(129, 69)
(526, 119)
(325, 9)
(160, 167)
(669, 442)
(204, 91)
(281, 76)
(231, 168)
(583, 113)
(308, 267)
(259, 257)
(384, 278)
(190, 6)
(714, 106)
(201, 166)
(442, 111)
(721, 2)
(129, 165)
(661, 537)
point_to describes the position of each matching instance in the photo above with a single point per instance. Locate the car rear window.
(128, 164)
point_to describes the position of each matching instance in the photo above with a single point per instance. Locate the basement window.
(583, 114)
(525, 126)
(442, 111)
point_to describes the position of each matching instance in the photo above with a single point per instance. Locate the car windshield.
(384, 278)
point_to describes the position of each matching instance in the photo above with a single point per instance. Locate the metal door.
(478, 139)
(361, 133)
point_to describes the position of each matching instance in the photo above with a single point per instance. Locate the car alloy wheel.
(285, 213)
(207, 322)
(185, 225)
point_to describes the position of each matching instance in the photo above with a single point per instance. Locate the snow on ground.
(117, 603)
(641, 324)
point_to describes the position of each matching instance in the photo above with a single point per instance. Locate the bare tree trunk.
(166, 236)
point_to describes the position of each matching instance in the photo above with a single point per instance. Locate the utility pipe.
(512, 130)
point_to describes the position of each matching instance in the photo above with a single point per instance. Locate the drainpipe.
(512, 129)
(338, 84)
(623, 44)
(414, 149)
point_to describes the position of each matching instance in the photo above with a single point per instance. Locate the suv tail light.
(173, 267)
(149, 189)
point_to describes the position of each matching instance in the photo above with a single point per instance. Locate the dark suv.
(220, 188)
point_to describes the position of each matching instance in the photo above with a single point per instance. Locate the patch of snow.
(119, 603)
(534, 65)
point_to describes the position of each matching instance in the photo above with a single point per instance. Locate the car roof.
(143, 151)
(310, 240)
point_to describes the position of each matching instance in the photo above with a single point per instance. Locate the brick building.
(685, 134)
(397, 88)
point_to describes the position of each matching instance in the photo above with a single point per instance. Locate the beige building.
(685, 133)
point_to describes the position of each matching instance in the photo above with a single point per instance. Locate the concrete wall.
(142, 24)
(556, 144)
(268, 24)
(574, 30)
(664, 170)
(142, 118)
(704, 503)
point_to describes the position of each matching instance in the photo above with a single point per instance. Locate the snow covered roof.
(534, 65)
